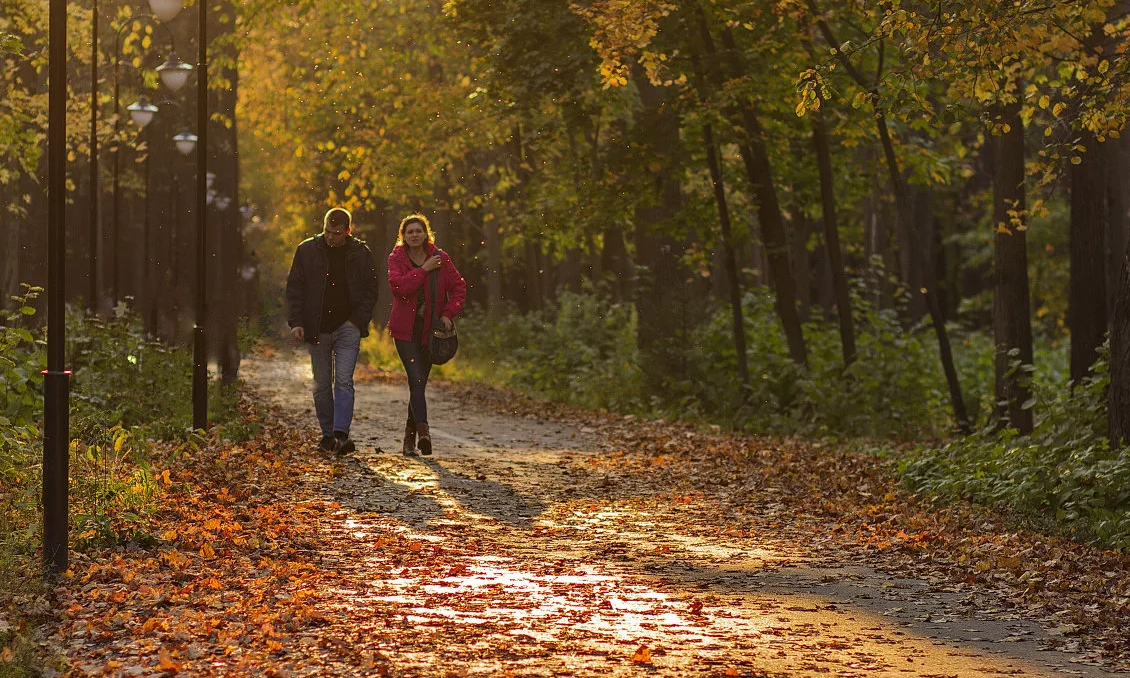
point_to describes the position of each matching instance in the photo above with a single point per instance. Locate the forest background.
(880, 223)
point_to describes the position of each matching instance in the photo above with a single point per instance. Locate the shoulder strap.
(435, 297)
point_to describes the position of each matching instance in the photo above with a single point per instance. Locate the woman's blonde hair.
(418, 219)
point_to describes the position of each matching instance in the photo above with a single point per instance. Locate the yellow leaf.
(1058, 108)
(1045, 101)
(642, 655)
(731, 671)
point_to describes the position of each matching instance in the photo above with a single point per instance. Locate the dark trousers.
(417, 365)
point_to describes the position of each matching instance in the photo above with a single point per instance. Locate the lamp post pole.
(200, 345)
(92, 289)
(115, 281)
(56, 392)
(163, 11)
(143, 113)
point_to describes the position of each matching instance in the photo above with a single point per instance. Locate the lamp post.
(164, 11)
(142, 113)
(56, 391)
(174, 75)
(92, 287)
(200, 346)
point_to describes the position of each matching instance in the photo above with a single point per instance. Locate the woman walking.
(410, 278)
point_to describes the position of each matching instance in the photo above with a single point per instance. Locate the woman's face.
(415, 235)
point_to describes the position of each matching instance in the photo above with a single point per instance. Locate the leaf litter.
(543, 541)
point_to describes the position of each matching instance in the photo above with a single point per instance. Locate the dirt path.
(546, 561)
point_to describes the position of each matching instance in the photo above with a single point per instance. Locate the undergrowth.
(583, 352)
(1064, 475)
(130, 401)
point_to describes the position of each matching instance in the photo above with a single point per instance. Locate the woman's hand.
(432, 263)
(446, 322)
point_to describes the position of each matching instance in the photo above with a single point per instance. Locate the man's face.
(336, 235)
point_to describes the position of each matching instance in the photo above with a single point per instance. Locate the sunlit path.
(526, 557)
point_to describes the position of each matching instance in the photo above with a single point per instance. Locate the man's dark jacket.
(306, 285)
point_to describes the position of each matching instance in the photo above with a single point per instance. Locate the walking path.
(530, 545)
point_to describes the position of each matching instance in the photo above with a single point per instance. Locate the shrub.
(581, 352)
(1064, 472)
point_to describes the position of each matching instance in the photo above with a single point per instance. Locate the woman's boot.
(423, 438)
(410, 438)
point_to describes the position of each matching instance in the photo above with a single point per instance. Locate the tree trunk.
(534, 279)
(1086, 309)
(833, 252)
(615, 263)
(905, 217)
(800, 261)
(906, 220)
(733, 284)
(659, 285)
(1012, 324)
(755, 157)
(1118, 201)
(1118, 395)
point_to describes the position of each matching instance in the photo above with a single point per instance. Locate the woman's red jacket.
(405, 280)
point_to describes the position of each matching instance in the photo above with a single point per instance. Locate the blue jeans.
(417, 365)
(333, 359)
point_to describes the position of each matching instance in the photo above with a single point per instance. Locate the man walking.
(330, 294)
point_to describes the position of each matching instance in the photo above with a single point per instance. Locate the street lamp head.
(186, 142)
(166, 10)
(174, 72)
(142, 111)
(223, 202)
(209, 179)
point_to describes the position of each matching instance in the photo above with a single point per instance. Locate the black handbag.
(443, 343)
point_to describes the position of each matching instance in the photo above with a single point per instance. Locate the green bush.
(22, 360)
(127, 392)
(582, 352)
(124, 378)
(1063, 473)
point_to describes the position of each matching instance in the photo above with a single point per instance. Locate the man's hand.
(297, 333)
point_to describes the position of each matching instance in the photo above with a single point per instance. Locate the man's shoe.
(423, 438)
(344, 443)
(328, 444)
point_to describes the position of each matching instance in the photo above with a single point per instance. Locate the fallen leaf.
(166, 663)
(642, 655)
